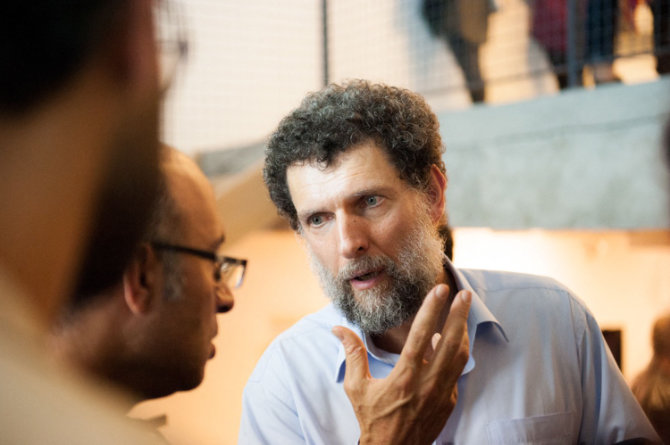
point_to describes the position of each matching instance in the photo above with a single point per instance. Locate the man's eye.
(371, 201)
(316, 220)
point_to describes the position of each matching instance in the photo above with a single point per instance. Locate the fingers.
(454, 342)
(423, 327)
(356, 355)
(435, 340)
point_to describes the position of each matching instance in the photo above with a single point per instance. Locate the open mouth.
(367, 275)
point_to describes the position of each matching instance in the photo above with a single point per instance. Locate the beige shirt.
(41, 403)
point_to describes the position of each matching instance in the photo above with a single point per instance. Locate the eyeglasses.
(229, 270)
(171, 38)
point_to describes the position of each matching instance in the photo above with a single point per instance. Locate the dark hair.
(447, 236)
(44, 42)
(331, 121)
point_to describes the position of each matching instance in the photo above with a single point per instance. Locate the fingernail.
(466, 296)
(442, 291)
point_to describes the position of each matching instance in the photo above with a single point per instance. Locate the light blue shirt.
(538, 372)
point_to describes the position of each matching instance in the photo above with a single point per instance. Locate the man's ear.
(140, 280)
(435, 192)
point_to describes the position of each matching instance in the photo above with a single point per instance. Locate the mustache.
(365, 264)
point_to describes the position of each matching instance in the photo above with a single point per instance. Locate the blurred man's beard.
(396, 300)
(126, 199)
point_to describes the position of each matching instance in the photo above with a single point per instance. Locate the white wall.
(586, 159)
(249, 63)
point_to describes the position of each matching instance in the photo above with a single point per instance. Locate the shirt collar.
(480, 315)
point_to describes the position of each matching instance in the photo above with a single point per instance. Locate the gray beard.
(392, 303)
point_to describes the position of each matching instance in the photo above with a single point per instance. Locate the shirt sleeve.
(268, 414)
(610, 412)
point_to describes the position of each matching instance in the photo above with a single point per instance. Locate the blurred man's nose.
(224, 299)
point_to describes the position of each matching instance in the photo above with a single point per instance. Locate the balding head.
(152, 332)
(183, 188)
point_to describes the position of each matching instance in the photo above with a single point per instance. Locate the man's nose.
(352, 231)
(224, 298)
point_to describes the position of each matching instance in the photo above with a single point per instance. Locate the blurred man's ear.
(435, 192)
(140, 280)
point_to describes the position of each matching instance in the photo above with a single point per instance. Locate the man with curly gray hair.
(340, 117)
(357, 170)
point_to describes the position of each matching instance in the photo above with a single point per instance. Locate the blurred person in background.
(596, 23)
(463, 24)
(79, 98)
(660, 10)
(652, 386)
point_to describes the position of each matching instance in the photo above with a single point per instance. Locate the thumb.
(357, 368)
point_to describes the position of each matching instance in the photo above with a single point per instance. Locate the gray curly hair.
(330, 121)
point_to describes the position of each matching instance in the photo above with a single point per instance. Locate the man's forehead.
(365, 150)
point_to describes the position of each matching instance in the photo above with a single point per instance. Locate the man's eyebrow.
(382, 190)
(368, 192)
(304, 214)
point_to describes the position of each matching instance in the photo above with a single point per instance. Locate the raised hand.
(413, 403)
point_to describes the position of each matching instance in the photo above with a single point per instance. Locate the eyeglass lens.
(232, 274)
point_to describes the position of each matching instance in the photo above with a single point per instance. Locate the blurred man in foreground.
(150, 333)
(357, 169)
(79, 96)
